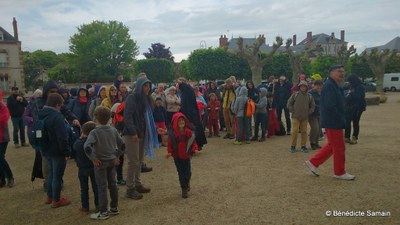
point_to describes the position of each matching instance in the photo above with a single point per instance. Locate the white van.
(391, 81)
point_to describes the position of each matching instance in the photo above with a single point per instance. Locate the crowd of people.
(98, 126)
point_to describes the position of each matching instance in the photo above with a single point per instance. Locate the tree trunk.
(379, 72)
(256, 71)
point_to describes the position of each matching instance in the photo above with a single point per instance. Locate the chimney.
(342, 36)
(294, 40)
(309, 37)
(223, 41)
(15, 29)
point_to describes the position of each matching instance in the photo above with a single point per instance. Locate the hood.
(99, 89)
(250, 82)
(209, 84)
(47, 110)
(108, 91)
(243, 92)
(48, 86)
(64, 90)
(139, 84)
(174, 121)
(86, 91)
(263, 92)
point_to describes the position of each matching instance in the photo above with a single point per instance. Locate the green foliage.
(359, 66)
(280, 65)
(157, 70)
(322, 64)
(393, 66)
(158, 51)
(183, 70)
(100, 48)
(211, 64)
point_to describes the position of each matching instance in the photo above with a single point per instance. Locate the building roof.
(320, 39)
(391, 45)
(7, 37)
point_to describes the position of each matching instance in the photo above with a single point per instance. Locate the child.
(273, 123)
(160, 115)
(213, 107)
(85, 168)
(301, 105)
(239, 109)
(100, 147)
(181, 146)
(261, 116)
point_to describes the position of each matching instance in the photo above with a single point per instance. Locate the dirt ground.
(259, 183)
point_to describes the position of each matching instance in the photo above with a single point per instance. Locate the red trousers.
(213, 123)
(335, 146)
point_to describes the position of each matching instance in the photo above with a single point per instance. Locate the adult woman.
(173, 104)
(355, 106)
(5, 171)
(80, 106)
(101, 95)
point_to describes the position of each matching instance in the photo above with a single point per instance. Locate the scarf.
(83, 99)
(151, 136)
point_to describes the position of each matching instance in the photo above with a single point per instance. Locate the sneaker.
(2, 183)
(345, 176)
(100, 216)
(261, 139)
(288, 132)
(226, 136)
(145, 168)
(254, 138)
(248, 141)
(62, 202)
(217, 135)
(311, 167)
(133, 194)
(293, 149)
(185, 193)
(16, 146)
(84, 211)
(25, 145)
(142, 189)
(10, 182)
(315, 146)
(353, 141)
(48, 201)
(231, 136)
(121, 182)
(237, 142)
(347, 140)
(304, 149)
(210, 136)
(113, 211)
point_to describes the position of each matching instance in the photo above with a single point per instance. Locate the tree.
(377, 61)
(35, 65)
(158, 51)
(359, 66)
(157, 70)
(280, 65)
(252, 55)
(344, 54)
(65, 70)
(393, 66)
(100, 49)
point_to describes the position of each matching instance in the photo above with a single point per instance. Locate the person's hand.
(135, 138)
(117, 162)
(168, 155)
(161, 131)
(76, 123)
(96, 162)
(67, 158)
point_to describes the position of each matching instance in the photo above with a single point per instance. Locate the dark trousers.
(84, 174)
(169, 118)
(279, 110)
(213, 123)
(120, 167)
(5, 171)
(243, 126)
(18, 127)
(353, 116)
(261, 119)
(184, 171)
(56, 172)
(106, 177)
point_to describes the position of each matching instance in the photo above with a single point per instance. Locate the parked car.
(370, 86)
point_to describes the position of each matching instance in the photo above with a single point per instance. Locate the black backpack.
(38, 136)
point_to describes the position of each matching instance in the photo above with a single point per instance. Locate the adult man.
(159, 92)
(228, 97)
(333, 119)
(16, 105)
(281, 95)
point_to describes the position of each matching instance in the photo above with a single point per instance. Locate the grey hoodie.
(240, 102)
(261, 105)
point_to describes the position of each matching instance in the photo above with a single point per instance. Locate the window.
(4, 82)
(1, 36)
(3, 59)
(394, 79)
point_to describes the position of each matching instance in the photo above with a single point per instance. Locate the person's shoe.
(313, 147)
(353, 140)
(312, 168)
(145, 168)
(142, 189)
(288, 132)
(347, 140)
(84, 211)
(113, 211)
(25, 145)
(10, 182)
(209, 136)
(48, 201)
(185, 193)
(62, 202)
(121, 182)
(16, 146)
(237, 142)
(226, 136)
(304, 149)
(133, 194)
(345, 176)
(231, 136)
(254, 138)
(261, 139)
(248, 141)
(217, 135)
(100, 216)
(2, 183)
(293, 149)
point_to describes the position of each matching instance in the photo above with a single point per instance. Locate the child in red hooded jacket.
(181, 146)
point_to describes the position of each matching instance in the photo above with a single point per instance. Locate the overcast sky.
(183, 25)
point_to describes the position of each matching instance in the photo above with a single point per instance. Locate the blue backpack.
(38, 136)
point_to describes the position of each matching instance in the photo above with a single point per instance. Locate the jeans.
(184, 171)
(354, 117)
(261, 118)
(279, 109)
(84, 174)
(5, 171)
(56, 172)
(105, 176)
(18, 125)
(243, 125)
(120, 167)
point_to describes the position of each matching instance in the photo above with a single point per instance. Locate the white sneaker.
(311, 167)
(345, 176)
(100, 216)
